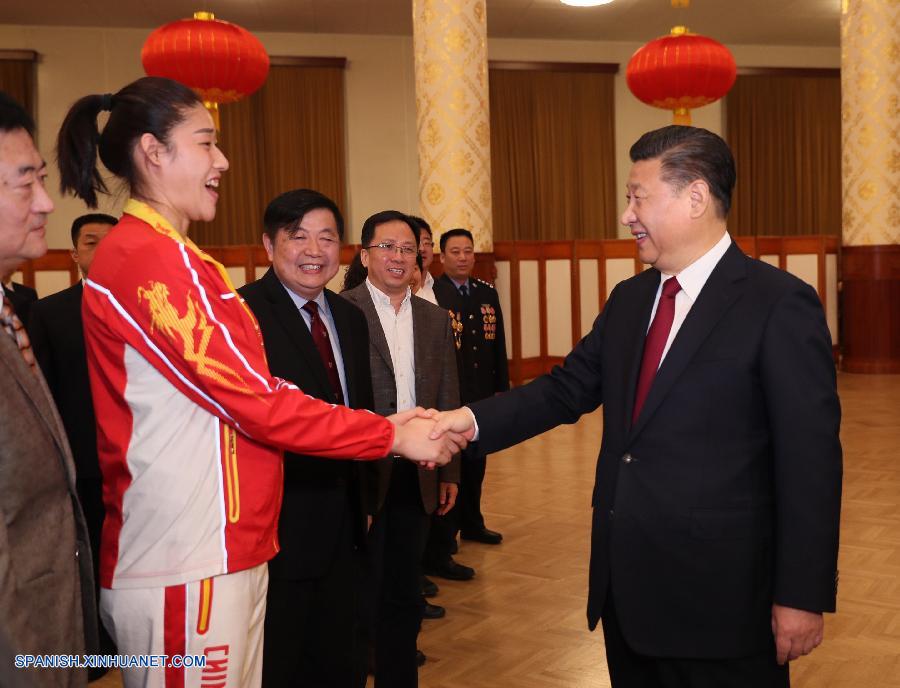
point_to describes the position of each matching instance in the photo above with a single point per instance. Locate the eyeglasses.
(393, 248)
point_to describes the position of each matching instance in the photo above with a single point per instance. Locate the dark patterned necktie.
(657, 336)
(14, 328)
(463, 290)
(323, 344)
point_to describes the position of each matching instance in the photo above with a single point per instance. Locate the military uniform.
(478, 334)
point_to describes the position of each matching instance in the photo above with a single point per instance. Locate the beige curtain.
(552, 155)
(785, 132)
(17, 80)
(287, 135)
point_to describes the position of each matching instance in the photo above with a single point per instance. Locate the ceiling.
(750, 22)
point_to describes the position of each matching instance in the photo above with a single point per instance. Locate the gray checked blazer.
(46, 583)
(437, 383)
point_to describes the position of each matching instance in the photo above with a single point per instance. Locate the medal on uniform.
(457, 327)
(489, 320)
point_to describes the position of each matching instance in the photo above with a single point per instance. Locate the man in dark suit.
(717, 497)
(57, 336)
(19, 295)
(318, 341)
(46, 585)
(483, 372)
(412, 362)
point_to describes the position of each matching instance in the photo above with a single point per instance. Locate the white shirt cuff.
(474, 423)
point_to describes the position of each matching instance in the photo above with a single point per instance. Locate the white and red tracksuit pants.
(220, 618)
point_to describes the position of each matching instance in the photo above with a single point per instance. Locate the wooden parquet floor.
(521, 622)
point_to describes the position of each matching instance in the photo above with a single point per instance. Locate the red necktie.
(13, 326)
(655, 343)
(323, 344)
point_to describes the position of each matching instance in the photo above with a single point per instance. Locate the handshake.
(430, 437)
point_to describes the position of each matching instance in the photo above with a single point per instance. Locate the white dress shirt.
(692, 279)
(398, 331)
(328, 320)
(426, 291)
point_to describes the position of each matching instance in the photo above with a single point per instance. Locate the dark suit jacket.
(46, 585)
(481, 354)
(725, 495)
(21, 297)
(57, 336)
(436, 382)
(316, 490)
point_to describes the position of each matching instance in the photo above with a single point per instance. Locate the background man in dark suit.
(483, 371)
(717, 498)
(46, 586)
(310, 637)
(412, 362)
(57, 336)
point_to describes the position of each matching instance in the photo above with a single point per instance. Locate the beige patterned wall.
(870, 86)
(450, 43)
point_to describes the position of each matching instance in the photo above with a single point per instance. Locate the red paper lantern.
(222, 62)
(681, 71)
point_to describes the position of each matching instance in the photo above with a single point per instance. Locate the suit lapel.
(345, 337)
(35, 390)
(723, 288)
(295, 327)
(364, 301)
(419, 318)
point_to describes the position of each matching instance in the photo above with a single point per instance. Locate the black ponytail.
(76, 151)
(151, 105)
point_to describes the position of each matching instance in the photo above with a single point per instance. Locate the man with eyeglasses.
(412, 362)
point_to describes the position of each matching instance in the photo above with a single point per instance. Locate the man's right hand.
(413, 439)
(460, 421)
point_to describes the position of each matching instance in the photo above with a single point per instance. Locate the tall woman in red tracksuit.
(190, 422)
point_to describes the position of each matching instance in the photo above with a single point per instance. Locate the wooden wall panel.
(550, 292)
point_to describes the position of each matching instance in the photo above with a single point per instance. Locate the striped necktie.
(14, 328)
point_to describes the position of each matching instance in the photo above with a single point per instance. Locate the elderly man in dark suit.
(46, 586)
(318, 341)
(717, 499)
(413, 363)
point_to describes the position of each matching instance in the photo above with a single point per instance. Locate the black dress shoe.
(429, 587)
(488, 537)
(451, 570)
(433, 611)
(420, 658)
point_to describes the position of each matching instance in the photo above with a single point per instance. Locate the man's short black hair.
(90, 219)
(687, 154)
(13, 116)
(372, 222)
(459, 231)
(423, 225)
(288, 210)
